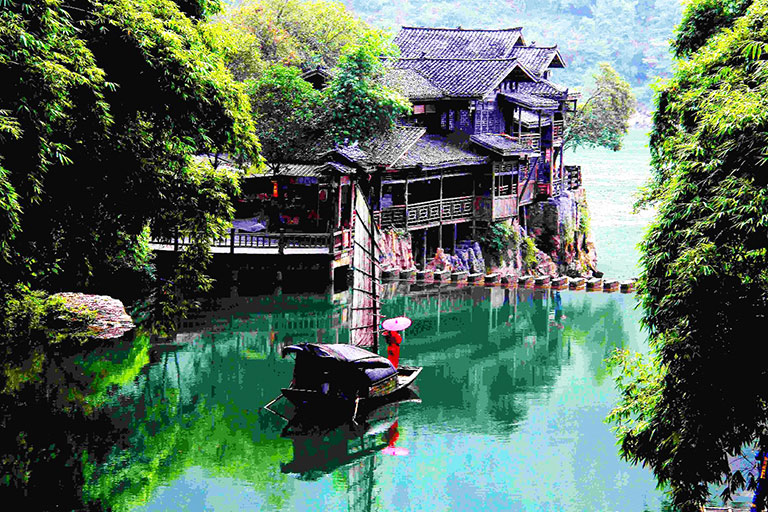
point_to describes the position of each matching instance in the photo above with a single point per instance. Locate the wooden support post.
(232, 241)
(424, 249)
(440, 234)
(455, 236)
(406, 204)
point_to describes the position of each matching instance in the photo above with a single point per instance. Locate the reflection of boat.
(328, 377)
(321, 445)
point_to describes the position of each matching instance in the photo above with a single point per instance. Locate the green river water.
(509, 416)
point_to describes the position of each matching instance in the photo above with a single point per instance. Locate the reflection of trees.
(598, 322)
(49, 423)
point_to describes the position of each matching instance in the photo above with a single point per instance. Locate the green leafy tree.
(301, 33)
(701, 398)
(104, 103)
(359, 105)
(286, 112)
(603, 119)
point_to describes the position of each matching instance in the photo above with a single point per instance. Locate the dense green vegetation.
(103, 106)
(702, 397)
(269, 43)
(632, 36)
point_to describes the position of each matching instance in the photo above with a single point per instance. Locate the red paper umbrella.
(399, 323)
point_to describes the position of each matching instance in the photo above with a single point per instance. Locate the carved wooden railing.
(245, 241)
(529, 140)
(427, 212)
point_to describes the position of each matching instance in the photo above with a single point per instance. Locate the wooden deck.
(243, 242)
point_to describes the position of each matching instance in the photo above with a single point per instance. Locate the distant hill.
(632, 35)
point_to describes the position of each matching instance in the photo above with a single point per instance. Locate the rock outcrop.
(110, 321)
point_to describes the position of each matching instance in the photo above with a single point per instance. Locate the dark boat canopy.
(374, 366)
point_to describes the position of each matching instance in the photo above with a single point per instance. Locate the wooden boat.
(342, 378)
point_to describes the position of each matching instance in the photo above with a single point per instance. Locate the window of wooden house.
(464, 120)
(503, 185)
(444, 120)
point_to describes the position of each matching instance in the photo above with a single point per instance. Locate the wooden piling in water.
(541, 282)
(595, 284)
(611, 286)
(425, 275)
(578, 283)
(475, 277)
(491, 279)
(525, 281)
(441, 276)
(459, 277)
(627, 286)
(560, 283)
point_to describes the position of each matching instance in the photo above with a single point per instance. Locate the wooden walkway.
(243, 242)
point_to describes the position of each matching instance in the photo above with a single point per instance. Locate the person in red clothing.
(393, 346)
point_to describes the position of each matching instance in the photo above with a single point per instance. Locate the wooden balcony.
(418, 215)
(529, 140)
(244, 242)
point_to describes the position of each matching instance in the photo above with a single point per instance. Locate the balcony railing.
(427, 212)
(248, 242)
(528, 140)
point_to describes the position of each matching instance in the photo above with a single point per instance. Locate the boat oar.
(354, 414)
(273, 402)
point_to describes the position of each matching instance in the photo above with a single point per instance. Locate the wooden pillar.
(338, 204)
(455, 237)
(424, 249)
(520, 122)
(406, 204)
(440, 233)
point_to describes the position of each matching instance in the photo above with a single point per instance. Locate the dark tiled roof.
(537, 58)
(501, 144)
(384, 149)
(529, 100)
(463, 78)
(543, 88)
(309, 169)
(387, 148)
(412, 84)
(415, 42)
(434, 151)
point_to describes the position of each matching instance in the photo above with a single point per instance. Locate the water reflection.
(513, 396)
